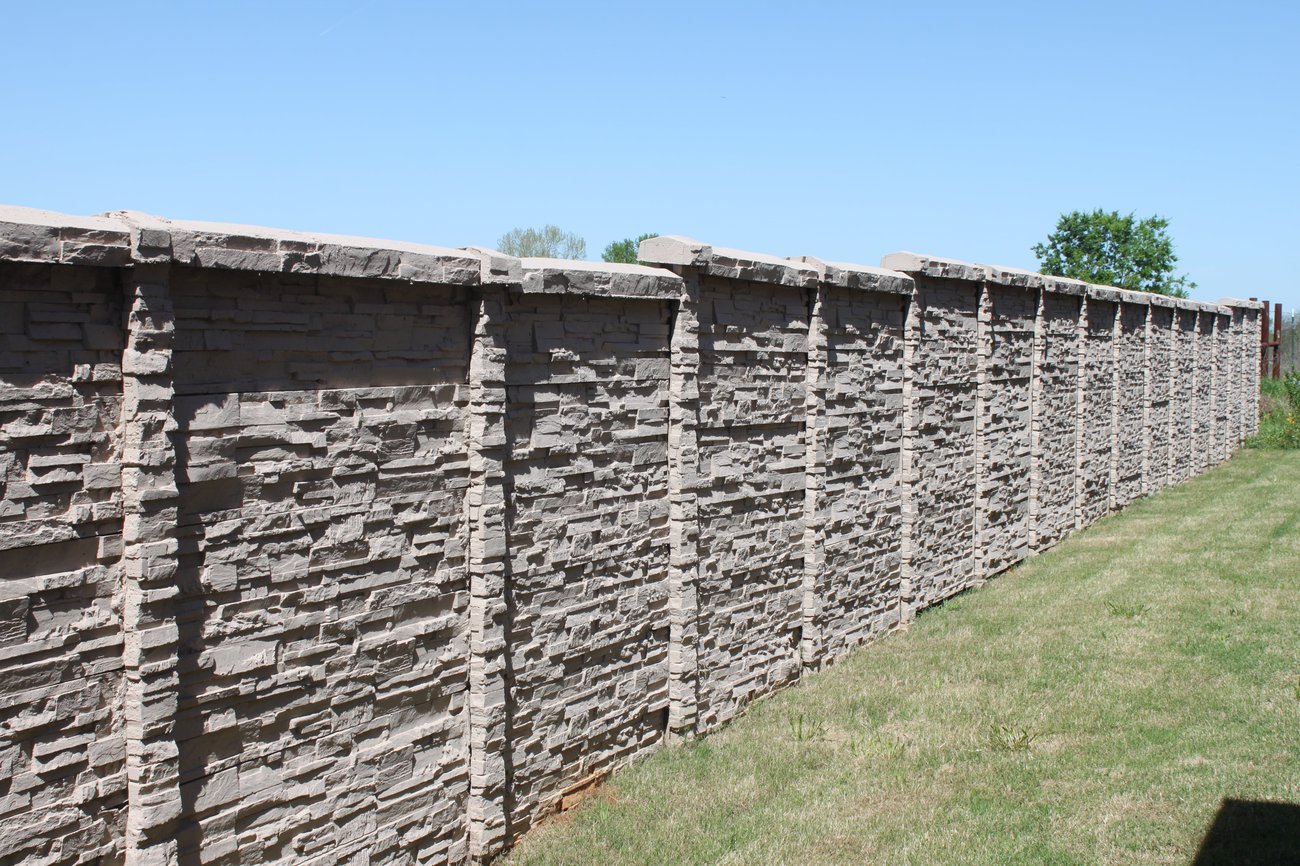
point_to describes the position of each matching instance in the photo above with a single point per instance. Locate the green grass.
(1093, 705)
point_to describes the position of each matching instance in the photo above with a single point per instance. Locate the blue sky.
(842, 130)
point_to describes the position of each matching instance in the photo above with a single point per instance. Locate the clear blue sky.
(843, 130)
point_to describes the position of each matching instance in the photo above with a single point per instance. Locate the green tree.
(625, 250)
(548, 242)
(1114, 250)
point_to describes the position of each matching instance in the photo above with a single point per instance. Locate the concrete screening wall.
(321, 550)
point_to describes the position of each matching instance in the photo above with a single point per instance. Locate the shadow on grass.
(1252, 833)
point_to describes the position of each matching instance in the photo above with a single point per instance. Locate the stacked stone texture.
(1161, 356)
(1189, 400)
(326, 550)
(854, 509)
(1056, 416)
(62, 746)
(587, 382)
(1005, 426)
(1098, 407)
(752, 379)
(1132, 437)
(323, 466)
(943, 373)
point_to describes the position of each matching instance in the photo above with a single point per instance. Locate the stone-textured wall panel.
(1185, 394)
(587, 479)
(1057, 418)
(1228, 395)
(1250, 359)
(1161, 381)
(943, 462)
(1206, 447)
(62, 789)
(1098, 406)
(858, 587)
(753, 355)
(1006, 427)
(322, 467)
(1131, 434)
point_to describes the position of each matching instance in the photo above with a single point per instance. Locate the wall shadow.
(1252, 833)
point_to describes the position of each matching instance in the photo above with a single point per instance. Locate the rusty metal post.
(1263, 342)
(1277, 341)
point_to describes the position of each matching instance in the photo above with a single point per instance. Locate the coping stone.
(498, 268)
(1242, 304)
(271, 250)
(863, 277)
(726, 262)
(934, 267)
(34, 235)
(598, 279)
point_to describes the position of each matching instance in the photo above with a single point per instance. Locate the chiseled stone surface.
(1189, 400)
(329, 550)
(857, 580)
(752, 379)
(1098, 408)
(1160, 371)
(945, 377)
(1056, 418)
(1132, 374)
(587, 383)
(1008, 327)
(323, 467)
(62, 750)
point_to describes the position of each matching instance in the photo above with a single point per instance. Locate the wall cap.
(1242, 304)
(34, 235)
(598, 279)
(1020, 278)
(864, 277)
(725, 262)
(498, 268)
(932, 266)
(230, 246)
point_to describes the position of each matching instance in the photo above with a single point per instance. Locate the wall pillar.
(907, 585)
(149, 560)
(1036, 410)
(1175, 343)
(812, 644)
(488, 610)
(1117, 380)
(1214, 455)
(683, 511)
(1080, 407)
(1148, 325)
(983, 397)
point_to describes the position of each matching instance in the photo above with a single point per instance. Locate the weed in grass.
(805, 726)
(1010, 738)
(1128, 611)
(874, 745)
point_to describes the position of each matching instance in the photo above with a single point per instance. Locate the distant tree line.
(552, 242)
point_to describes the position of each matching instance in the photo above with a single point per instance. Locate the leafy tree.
(549, 242)
(625, 250)
(1114, 250)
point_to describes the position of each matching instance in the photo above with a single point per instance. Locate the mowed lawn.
(1096, 704)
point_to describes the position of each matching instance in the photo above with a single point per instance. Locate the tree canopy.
(625, 250)
(549, 242)
(1110, 249)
